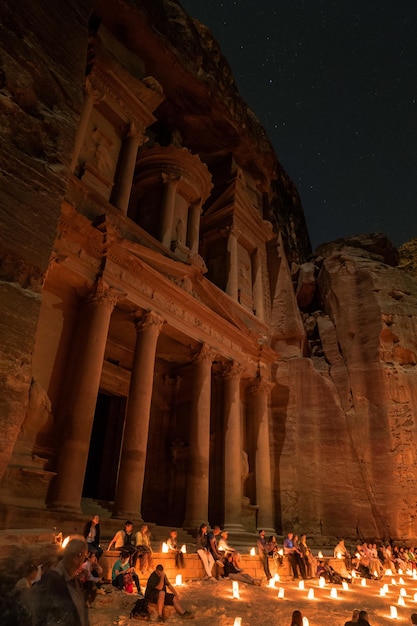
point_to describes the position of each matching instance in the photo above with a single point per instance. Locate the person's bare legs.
(160, 603)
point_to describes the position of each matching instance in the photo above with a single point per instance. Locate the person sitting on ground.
(363, 619)
(223, 548)
(297, 619)
(174, 548)
(354, 620)
(263, 550)
(121, 571)
(91, 534)
(321, 571)
(203, 551)
(230, 571)
(144, 549)
(58, 597)
(156, 593)
(93, 578)
(124, 539)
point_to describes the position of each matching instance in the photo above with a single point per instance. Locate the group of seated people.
(371, 560)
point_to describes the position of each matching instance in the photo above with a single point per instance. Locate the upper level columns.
(168, 207)
(257, 288)
(233, 448)
(126, 168)
(232, 285)
(80, 397)
(260, 392)
(129, 490)
(91, 98)
(196, 511)
(194, 227)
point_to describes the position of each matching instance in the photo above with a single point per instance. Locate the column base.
(64, 507)
(127, 515)
(234, 528)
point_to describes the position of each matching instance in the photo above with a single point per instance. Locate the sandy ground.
(213, 604)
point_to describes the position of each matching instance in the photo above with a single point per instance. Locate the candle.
(252, 552)
(280, 592)
(415, 597)
(393, 612)
(271, 583)
(400, 572)
(322, 582)
(386, 588)
(235, 589)
(333, 592)
(276, 578)
(345, 586)
(301, 584)
(320, 555)
(388, 572)
(363, 582)
(184, 548)
(393, 581)
(382, 592)
(310, 594)
(401, 581)
(403, 592)
(305, 621)
(178, 580)
(164, 547)
(400, 601)
(238, 621)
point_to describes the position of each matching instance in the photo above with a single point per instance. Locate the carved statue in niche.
(179, 230)
(98, 150)
(244, 274)
(38, 418)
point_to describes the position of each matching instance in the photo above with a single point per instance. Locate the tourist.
(299, 558)
(144, 549)
(363, 619)
(289, 552)
(414, 618)
(123, 574)
(263, 549)
(124, 539)
(223, 548)
(58, 597)
(297, 619)
(173, 547)
(234, 573)
(25, 583)
(203, 551)
(310, 562)
(91, 534)
(93, 578)
(212, 537)
(156, 593)
(341, 552)
(355, 617)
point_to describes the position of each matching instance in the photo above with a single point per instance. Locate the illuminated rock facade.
(164, 348)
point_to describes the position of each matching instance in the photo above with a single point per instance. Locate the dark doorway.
(105, 444)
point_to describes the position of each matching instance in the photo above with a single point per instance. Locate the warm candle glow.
(280, 592)
(310, 594)
(322, 582)
(393, 581)
(386, 588)
(184, 548)
(393, 612)
(400, 572)
(178, 580)
(305, 621)
(164, 547)
(400, 601)
(363, 582)
(238, 621)
(320, 555)
(301, 584)
(64, 543)
(388, 572)
(354, 575)
(415, 597)
(382, 592)
(401, 581)
(339, 555)
(271, 583)
(276, 578)
(281, 552)
(252, 551)
(403, 592)
(235, 589)
(333, 592)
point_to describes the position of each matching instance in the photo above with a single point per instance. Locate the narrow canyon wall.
(346, 418)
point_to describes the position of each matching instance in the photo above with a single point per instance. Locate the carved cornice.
(176, 162)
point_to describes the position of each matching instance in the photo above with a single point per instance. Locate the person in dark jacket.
(91, 534)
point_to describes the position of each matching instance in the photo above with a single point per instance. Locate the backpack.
(140, 610)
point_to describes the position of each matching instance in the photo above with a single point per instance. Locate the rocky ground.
(213, 604)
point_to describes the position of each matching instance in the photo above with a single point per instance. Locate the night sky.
(334, 83)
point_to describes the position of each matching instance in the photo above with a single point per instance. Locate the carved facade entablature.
(234, 209)
(193, 178)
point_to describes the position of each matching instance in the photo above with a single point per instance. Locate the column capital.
(96, 95)
(205, 353)
(104, 294)
(149, 319)
(232, 369)
(261, 384)
(136, 133)
(231, 230)
(170, 179)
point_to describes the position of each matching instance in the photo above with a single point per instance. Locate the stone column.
(232, 450)
(260, 391)
(194, 227)
(126, 169)
(79, 403)
(257, 286)
(196, 510)
(168, 206)
(128, 499)
(232, 284)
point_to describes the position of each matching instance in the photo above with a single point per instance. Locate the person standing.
(202, 548)
(263, 549)
(58, 597)
(91, 534)
(289, 551)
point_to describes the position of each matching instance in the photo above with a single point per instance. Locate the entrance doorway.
(105, 446)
